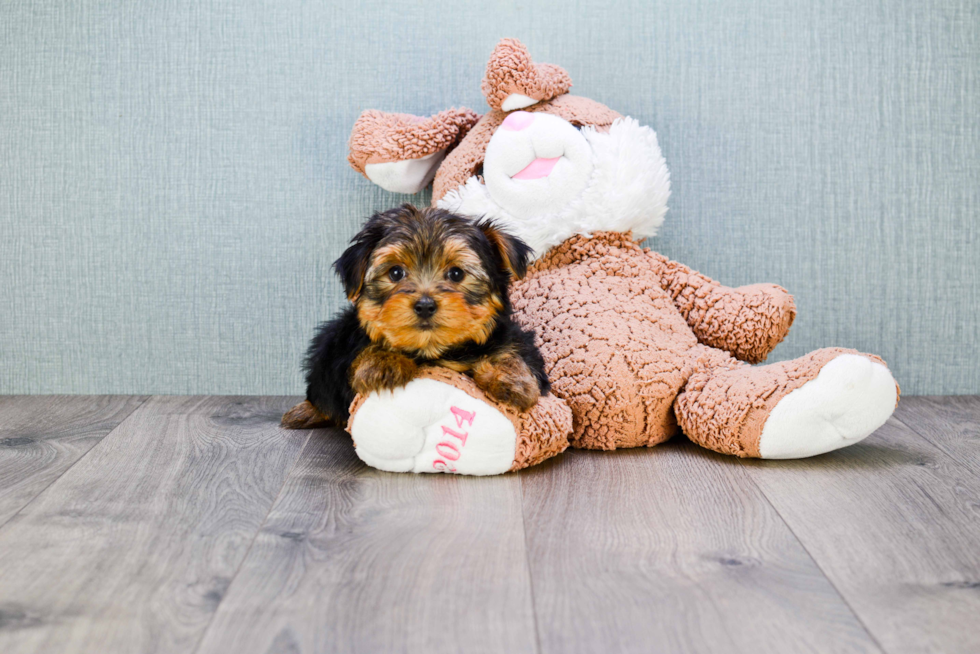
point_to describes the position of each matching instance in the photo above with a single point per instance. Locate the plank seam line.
(809, 554)
(109, 433)
(255, 536)
(527, 563)
(949, 457)
(937, 446)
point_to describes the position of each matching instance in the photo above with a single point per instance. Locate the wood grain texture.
(951, 423)
(42, 436)
(198, 525)
(671, 550)
(894, 523)
(133, 548)
(356, 560)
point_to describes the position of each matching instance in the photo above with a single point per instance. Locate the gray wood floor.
(194, 524)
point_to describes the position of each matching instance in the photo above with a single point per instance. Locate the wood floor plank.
(894, 523)
(132, 549)
(41, 436)
(352, 559)
(672, 550)
(951, 423)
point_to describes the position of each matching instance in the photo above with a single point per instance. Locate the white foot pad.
(848, 400)
(429, 426)
(406, 176)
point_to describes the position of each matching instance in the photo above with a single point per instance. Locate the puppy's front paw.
(508, 380)
(377, 369)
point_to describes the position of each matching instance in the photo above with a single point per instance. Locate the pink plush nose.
(518, 120)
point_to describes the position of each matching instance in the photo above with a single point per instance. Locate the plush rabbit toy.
(637, 346)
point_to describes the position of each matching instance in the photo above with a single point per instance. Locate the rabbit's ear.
(513, 81)
(400, 152)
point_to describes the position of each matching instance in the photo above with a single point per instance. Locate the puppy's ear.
(514, 253)
(352, 265)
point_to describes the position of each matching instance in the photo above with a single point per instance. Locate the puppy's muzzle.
(425, 307)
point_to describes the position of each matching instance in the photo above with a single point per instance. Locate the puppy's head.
(426, 280)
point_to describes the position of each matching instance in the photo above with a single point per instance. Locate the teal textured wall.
(173, 183)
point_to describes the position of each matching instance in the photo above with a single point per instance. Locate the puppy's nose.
(518, 120)
(425, 307)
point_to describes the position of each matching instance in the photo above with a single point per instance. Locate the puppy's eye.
(455, 274)
(396, 273)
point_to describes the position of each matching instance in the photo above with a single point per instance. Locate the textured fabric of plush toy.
(725, 403)
(465, 160)
(618, 347)
(749, 322)
(625, 150)
(480, 438)
(627, 335)
(511, 72)
(542, 432)
(380, 137)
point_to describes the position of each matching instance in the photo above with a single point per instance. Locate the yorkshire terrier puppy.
(427, 287)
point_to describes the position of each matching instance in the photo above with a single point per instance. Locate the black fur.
(332, 351)
(502, 244)
(352, 264)
(338, 342)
